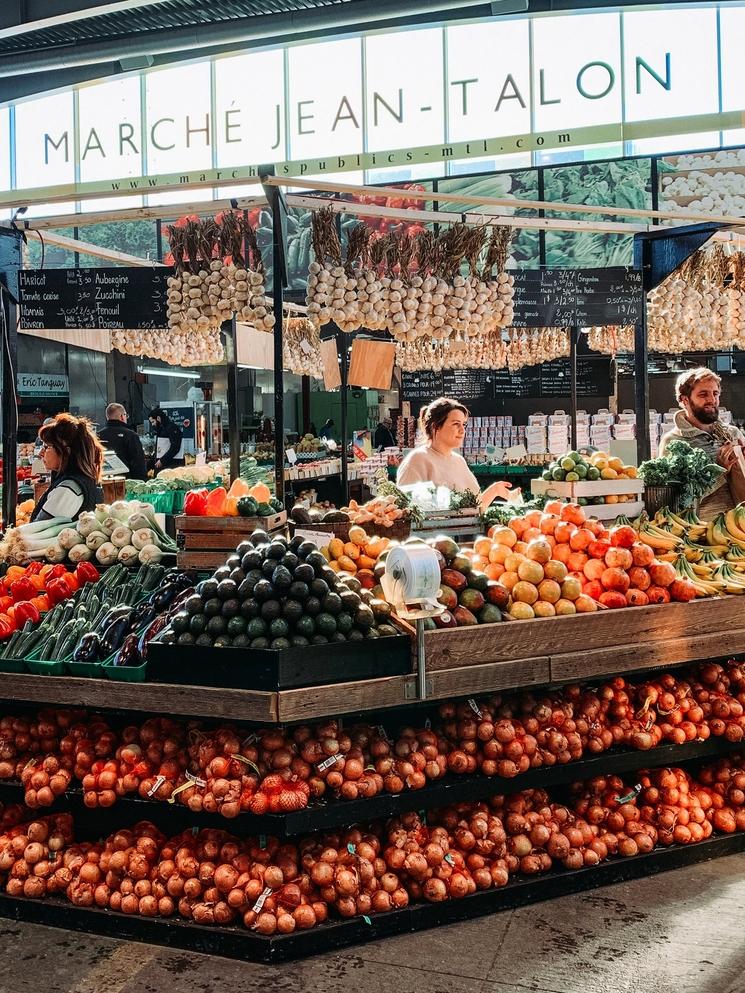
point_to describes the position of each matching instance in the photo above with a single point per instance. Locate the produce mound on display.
(273, 887)
(278, 594)
(125, 531)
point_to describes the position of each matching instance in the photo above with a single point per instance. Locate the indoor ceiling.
(44, 46)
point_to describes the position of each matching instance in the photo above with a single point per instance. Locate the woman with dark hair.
(74, 456)
(443, 423)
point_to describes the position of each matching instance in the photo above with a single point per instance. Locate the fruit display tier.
(459, 662)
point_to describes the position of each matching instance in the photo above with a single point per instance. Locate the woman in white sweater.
(438, 461)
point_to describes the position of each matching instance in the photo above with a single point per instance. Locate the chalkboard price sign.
(468, 384)
(101, 299)
(425, 385)
(577, 297)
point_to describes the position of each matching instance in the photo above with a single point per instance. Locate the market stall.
(301, 699)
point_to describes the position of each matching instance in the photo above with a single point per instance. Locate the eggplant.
(115, 614)
(164, 597)
(89, 648)
(129, 653)
(114, 635)
(143, 614)
(149, 633)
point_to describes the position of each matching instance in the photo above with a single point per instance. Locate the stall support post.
(278, 207)
(341, 346)
(657, 254)
(305, 394)
(573, 341)
(10, 266)
(234, 415)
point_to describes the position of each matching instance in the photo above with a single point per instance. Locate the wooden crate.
(207, 533)
(583, 488)
(576, 643)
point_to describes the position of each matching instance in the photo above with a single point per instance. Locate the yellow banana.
(657, 540)
(719, 531)
(732, 582)
(733, 526)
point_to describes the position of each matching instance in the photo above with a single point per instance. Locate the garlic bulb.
(514, 349)
(187, 348)
(301, 344)
(425, 286)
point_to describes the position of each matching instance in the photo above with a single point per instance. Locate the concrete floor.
(680, 930)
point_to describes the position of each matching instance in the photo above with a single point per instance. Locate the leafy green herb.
(686, 468)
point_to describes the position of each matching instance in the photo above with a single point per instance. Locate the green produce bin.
(40, 667)
(124, 673)
(13, 665)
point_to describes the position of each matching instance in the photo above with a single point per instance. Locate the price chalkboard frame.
(103, 299)
(546, 298)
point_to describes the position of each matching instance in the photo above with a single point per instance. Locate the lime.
(558, 475)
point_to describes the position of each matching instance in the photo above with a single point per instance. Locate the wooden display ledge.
(460, 662)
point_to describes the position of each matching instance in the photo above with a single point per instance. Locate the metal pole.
(279, 385)
(234, 420)
(344, 355)
(421, 665)
(641, 375)
(10, 266)
(305, 396)
(573, 339)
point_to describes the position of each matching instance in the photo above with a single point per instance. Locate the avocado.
(238, 575)
(257, 628)
(231, 607)
(364, 618)
(259, 537)
(263, 590)
(216, 626)
(319, 588)
(350, 601)
(279, 628)
(325, 624)
(335, 517)
(271, 609)
(292, 611)
(258, 643)
(305, 626)
(227, 589)
(319, 639)
(204, 641)
(181, 622)
(213, 607)
(290, 561)
(317, 561)
(331, 603)
(241, 641)
(355, 635)
(207, 589)
(233, 562)
(222, 573)
(371, 634)
(298, 641)
(280, 644)
(344, 623)
(299, 591)
(304, 549)
(312, 606)
(387, 631)
(222, 641)
(197, 624)
(250, 608)
(337, 636)
(353, 584)
(281, 579)
(185, 639)
(251, 560)
(267, 568)
(245, 546)
(304, 573)
(236, 626)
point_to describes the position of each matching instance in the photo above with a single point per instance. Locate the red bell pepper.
(22, 589)
(195, 503)
(6, 627)
(86, 572)
(5, 602)
(71, 580)
(53, 571)
(26, 611)
(58, 590)
(34, 568)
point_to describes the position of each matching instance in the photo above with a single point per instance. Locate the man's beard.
(706, 415)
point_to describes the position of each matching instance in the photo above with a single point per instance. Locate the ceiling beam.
(18, 18)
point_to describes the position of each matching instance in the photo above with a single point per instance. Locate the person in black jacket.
(165, 429)
(74, 456)
(384, 435)
(123, 441)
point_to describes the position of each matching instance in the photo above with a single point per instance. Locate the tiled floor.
(677, 931)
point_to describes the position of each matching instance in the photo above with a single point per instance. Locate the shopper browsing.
(697, 424)
(168, 438)
(74, 456)
(443, 423)
(327, 431)
(123, 441)
(384, 435)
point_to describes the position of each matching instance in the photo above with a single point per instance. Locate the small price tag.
(290, 455)
(195, 830)
(427, 724)
(262, 899)
(195, 779)
(262, 841)
(156, 785)
(449, 859)
(352, 849)
(366, 919)
(327, 763)
(382, 732)
(319, 538)
(306, 346)
(632, 795)
(201, 458)
(475, 707)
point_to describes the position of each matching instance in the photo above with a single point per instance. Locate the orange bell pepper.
(231, 506)
(13, 573)
(42, 603)
(72, 581)
(216, 502)
(5, 602)
(239, 488)
(37, 582)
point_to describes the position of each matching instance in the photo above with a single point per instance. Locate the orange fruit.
(524, 592)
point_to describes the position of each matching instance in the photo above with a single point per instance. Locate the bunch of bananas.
(709, 554)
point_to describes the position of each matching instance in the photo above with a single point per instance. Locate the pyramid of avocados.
(278, 593)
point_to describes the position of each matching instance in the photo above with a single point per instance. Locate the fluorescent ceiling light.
(148, 371)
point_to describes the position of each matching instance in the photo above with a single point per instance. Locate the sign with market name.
(31, 384)
(502, 87)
